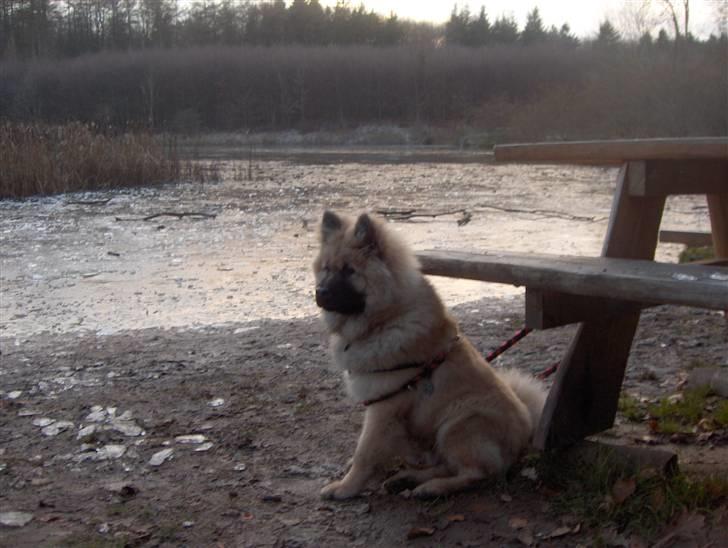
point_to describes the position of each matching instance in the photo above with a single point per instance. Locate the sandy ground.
(121, 338)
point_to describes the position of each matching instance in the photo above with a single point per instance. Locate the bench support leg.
(718, 208)
(583, 399)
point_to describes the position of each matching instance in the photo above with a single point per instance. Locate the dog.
(431, 399)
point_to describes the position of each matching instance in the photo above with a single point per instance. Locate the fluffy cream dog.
(431, 399)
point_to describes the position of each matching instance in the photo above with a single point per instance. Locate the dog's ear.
(365, 232)
(330, 224)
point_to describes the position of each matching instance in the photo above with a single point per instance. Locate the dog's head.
(361, 268)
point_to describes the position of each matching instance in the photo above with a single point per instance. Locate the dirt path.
(125, 342)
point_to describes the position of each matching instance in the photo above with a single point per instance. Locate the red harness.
(424, 373)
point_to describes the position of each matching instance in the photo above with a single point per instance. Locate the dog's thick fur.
(465, 421)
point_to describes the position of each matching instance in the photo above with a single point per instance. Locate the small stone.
(112, 451)
(187, 524)
(86, 433)
(15, 394)
(160, 456)
(128, 428)
(104, 528)
(204, 447)
(530, 473)
(56, 428)
(15, 519)
(125, 416)
(217, 402)
(97, 414)
(191, 438)
(43, 422)
(239, 467)
(27, 413)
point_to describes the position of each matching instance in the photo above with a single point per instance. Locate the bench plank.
(672, 177)
(690, 239)
(614, 152)
(549, 309)
(624, 279)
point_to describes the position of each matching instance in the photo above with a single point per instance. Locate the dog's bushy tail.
(529, 390)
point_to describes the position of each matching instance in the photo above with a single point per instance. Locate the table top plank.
(614, 152)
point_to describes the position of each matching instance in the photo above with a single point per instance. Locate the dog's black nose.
(321, 294)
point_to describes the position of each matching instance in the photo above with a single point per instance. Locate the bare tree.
(720, 12)
(635, 18)
(673, 9)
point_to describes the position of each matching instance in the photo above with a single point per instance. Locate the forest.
(254, 66)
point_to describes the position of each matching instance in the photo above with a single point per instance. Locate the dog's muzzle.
(339, 296)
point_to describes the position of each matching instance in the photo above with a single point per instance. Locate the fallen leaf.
(517, 523)
(559, 532)
(419, 532)
(455, 517)
(525, 538)
(623, 489)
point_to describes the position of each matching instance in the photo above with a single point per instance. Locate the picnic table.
(605, 294)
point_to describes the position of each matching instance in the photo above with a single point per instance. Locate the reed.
(40, 159)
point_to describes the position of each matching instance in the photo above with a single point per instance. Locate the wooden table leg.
(583, 399)
(718, 208)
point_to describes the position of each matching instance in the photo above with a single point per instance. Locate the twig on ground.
(543, 213)
(406, 214)
(89, 202)
(170, 214)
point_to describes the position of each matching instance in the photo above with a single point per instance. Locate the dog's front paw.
(426, 491)
(398, 483)
(338, 490)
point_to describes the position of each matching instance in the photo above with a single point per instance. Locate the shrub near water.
(41, 159)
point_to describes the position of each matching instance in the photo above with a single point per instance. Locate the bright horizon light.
(583, 16)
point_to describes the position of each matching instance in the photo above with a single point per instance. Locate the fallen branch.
(89, 202)
(170, 214)
(405, 214)
(543, 213)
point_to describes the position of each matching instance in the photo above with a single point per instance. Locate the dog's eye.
(346, 271)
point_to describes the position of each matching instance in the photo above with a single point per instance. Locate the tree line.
(52, 28)
(546, 91)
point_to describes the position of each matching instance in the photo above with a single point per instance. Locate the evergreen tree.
(608, 35)
(645, 40)
(566, 37)
(456, 29)
(663, 40)
(479, 30)
(504, 31)
(533, 32)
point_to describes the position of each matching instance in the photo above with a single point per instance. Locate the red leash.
(543, 375)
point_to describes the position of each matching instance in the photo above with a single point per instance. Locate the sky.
(583, 16)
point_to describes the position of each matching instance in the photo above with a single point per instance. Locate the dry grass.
(42, 159)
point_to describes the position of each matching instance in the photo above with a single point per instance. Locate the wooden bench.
(606, 294)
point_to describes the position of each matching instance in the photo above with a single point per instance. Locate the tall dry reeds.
(45, 159)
